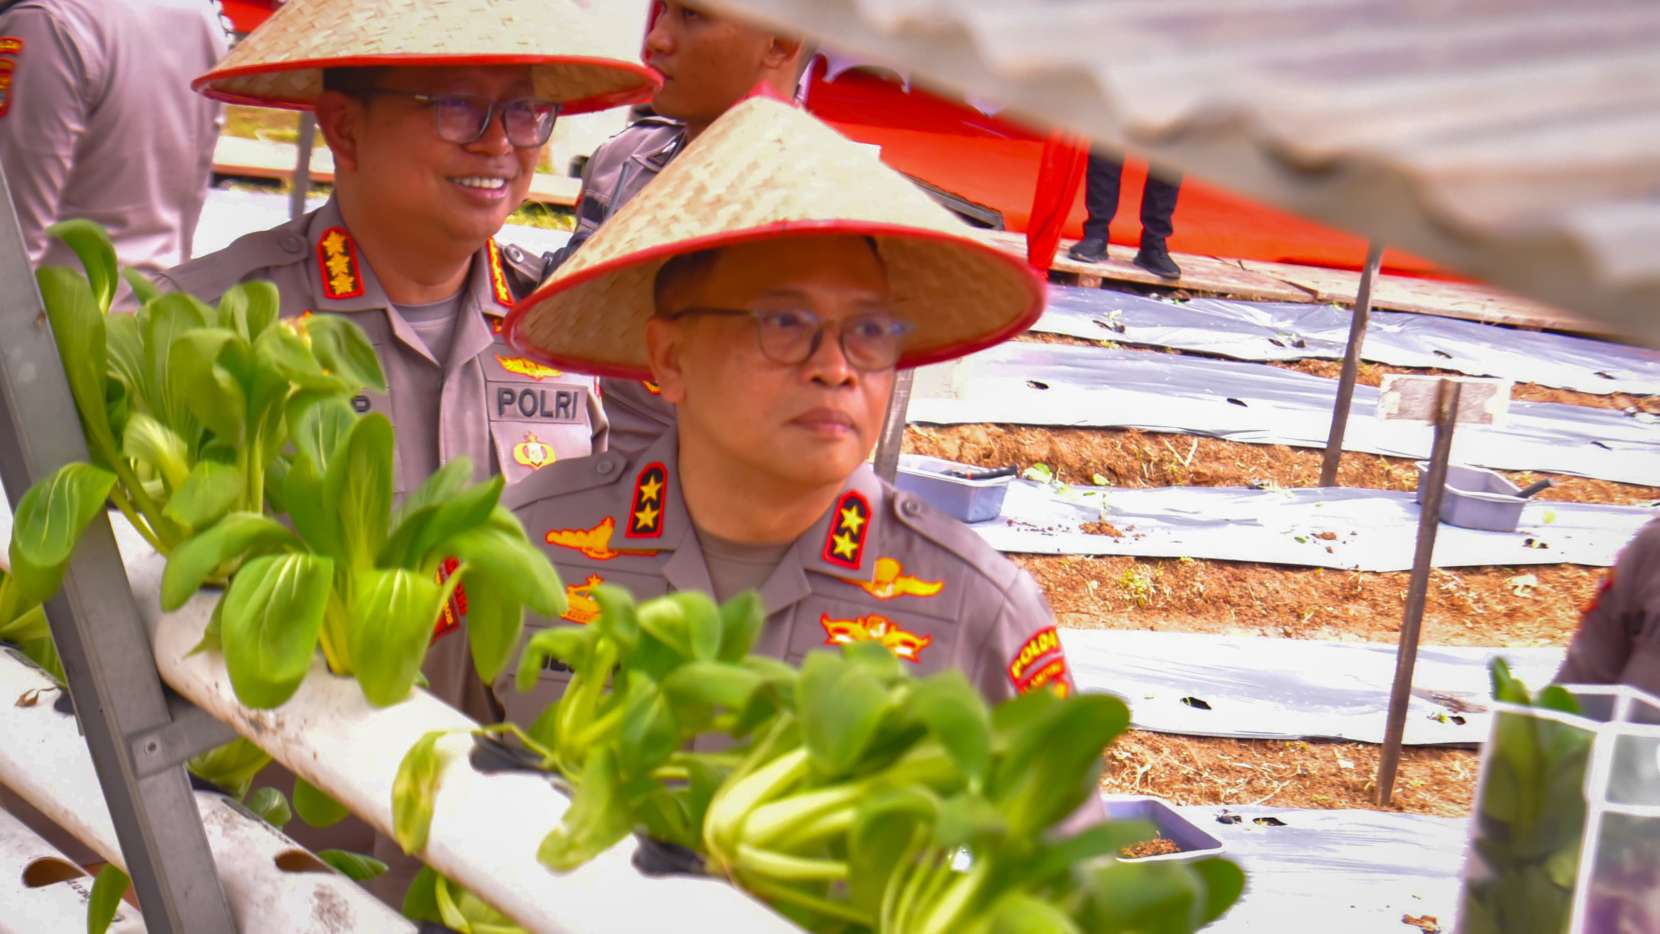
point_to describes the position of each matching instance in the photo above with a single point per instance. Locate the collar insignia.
(892, 582)
(337, 265)
(594, 543)
(580, 606)
(873, 628)
(645, 514)
(498, 275)
(844, 542)
(527, 368)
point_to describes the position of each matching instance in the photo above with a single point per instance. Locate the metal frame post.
(96, 624)
(1447, 396)
(893, 429)
(1351, 365)
(302, 165)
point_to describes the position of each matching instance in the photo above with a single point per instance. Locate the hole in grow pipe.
(1239, 402)
(50, 870)
(300, 861)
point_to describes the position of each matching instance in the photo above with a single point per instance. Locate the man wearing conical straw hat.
(771, 281)
(436, 112)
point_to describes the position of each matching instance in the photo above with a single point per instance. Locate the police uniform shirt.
(97, 121)
(616, 172)
(880, 566)
(1618, 640)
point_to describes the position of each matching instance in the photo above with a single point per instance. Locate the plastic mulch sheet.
(1197, 684)
(1368, 530)
(1302, 330)
(1026, 383)
(1358, 872)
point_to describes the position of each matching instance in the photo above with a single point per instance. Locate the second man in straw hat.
(771, 281)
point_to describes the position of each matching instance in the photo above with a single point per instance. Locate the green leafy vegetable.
(105, 900)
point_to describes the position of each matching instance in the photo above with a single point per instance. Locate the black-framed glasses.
(871, 341)
(464, 118)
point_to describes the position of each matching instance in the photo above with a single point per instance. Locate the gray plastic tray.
(1477, 499)
(1195, 842)
(964, 499)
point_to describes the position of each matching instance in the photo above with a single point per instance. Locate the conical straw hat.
(763, 170)
(280, 64)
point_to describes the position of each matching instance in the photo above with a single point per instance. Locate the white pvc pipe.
(45, 761)
(42, 890)
(486, 828)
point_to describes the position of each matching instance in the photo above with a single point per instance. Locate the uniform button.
(292, 243)
(515, 254)
(910, 507)
(605, 466)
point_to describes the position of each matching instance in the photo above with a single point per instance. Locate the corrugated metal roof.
(1515, 140)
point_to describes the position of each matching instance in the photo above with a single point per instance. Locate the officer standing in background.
(1158, 206)
(1618, 640)
(771, 281)
(708, 64)
(97, 121)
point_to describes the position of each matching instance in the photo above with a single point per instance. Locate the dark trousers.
(1158, 198)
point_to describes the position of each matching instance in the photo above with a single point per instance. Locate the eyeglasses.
(464, 118)
(790, 336)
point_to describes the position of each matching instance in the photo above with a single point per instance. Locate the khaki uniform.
(511, 416)
(880, 565)
(1618, 641)
(616, 172)
(97, 121)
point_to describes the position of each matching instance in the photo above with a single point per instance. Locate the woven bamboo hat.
(764, 170)
(280, 64)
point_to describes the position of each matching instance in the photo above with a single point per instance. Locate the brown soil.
(1192, 770)
(1158, 846)
(1535, 606)
(1134, 458)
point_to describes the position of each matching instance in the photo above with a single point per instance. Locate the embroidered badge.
(580, 606)
(11, 45)
(891, 582)
(498, 276)
(844, 543)
(532, 453)
(1039, 662)
(593, 543)
(337, 262)
(8, 69)
(651, 387)
(529, 369)
(645, 515)
(874, 628)
(455, 608)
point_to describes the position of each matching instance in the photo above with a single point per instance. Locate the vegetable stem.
(789, 894)
(783, 866)
(126, 507)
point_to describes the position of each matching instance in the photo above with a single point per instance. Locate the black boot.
(1154, 258)
(1089, 250)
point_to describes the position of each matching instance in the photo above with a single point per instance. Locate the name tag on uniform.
(564, 405)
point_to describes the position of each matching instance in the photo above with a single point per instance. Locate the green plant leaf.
(249, 308)
(420, 900)
(207, 495)
(358, 488)
(151, 443)
(1020, 913)
(166, 320)
(742, 618)
(207, 390)
(596, 819)
(414, 792)
(703, 623)
(512, 566)
(302, 493)
(573, 645)
(394, 612)
(105, 899)
(354, 866)
(842, 706)
(286, 352)
(143, 289)
(1155, 898)
(972, 821)
(716, 684)
(231, 767)
(1223, 881)
(96, 253)
(126, 354)
(238, 535)
(341, 347)
(315, 806)
(1048, 768)
(494, 625)
(271, 806)
(78, 330)
(649, 732)
(423, 536)
(954, 712)
(50, 520)
(272, 618)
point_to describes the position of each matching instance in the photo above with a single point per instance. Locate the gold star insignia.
(650, 488)
(339, 264)
(852, 519)
(334, 242)
(646, 517)
(342, 284)
(844, 546)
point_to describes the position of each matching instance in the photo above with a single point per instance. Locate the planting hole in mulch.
(1195, 703)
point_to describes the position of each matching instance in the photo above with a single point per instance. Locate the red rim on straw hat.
(767, 170)
(281, 63)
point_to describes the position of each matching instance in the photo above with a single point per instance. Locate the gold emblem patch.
(874, 628)
(527, 368)
(337, 263)
(594, 543)
(891, 582)
(532, 452)
(580, 606)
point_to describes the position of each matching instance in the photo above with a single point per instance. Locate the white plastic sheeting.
(1050, 384)
(42, 890)
(1198, 684)
(1341, 528)
(1299, 330)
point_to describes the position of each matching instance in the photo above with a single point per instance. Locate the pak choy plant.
(846, 793)
(1530, 815)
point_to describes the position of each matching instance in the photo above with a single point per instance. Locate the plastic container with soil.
(1566, 830)
(1477, 499)
(966, 493)
(1178, 840)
